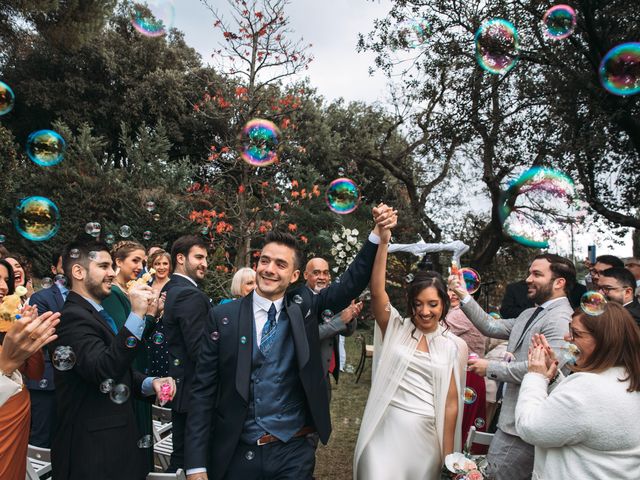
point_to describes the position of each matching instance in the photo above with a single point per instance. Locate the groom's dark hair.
(287, 240)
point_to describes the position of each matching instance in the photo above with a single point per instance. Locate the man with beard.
(550, 278)
(97, 435)
(618, 285)
(186, 309)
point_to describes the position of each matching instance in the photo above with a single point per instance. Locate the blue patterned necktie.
(269, 330)
(103, 313)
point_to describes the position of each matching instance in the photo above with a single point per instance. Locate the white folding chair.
(161, 422)
(38, 462)
(163, 450)
(179, 475)
(479, 438)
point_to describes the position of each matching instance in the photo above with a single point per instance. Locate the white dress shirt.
(261, 308)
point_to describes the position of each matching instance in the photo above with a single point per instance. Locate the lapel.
(81, 302)
(521, 336)
(245, 329)
(58, 298)
(300, 339)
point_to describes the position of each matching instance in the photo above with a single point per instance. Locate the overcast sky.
(332, 26)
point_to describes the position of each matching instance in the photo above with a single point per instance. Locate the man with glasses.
(618, 285)
(633, 265)
(603, 262)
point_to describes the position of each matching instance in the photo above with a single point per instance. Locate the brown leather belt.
(265, 439)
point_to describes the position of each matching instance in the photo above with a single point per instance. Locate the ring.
(33, 337)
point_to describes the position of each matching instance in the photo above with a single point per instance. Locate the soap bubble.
(74, 253)
(63, 358)
(158, 338)
(215, 336)
(3, 238)
(479, 423)
(593, 303)
(497, 46)
(559, 22)
(569, 353)
(297, 299)
(471, 279)
(153, 19)
(470, 395)
(109, 238)
(46, 282)
(412, 33)
(131, 342)
(37, 218)
(327, 315)
(150, 206)
(259, 142)
(45, 148)
(60, 280)
(125, 231)
(145, 442)
(495, 315)
(147, 235)
(7, 99)
(107, 385)
(342, 196)
(409, 278)
(119, 394)
(156, 216)
(93, 229)
(44, 383)
(620, 69)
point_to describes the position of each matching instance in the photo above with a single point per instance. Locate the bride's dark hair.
(426, 279)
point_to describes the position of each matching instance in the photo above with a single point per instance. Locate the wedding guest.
(158, 351)
(414, 412)
(22, 276)
(242, 283)
(587, 427)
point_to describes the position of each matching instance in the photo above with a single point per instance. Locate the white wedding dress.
(401, 433)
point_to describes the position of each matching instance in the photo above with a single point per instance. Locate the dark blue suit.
(43, 397)
(226, 371)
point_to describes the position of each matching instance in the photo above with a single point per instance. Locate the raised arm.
(379, 296)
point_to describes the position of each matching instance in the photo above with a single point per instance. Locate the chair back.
(179, 475)
(479, 438)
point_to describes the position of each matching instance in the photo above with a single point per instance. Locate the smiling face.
(93, 277)
(455, 301)
(18, 271)
(581, 338)
(194, 264)
(162, 266)
(541, 286)
(276, 270)
(427, 309)
(131, 266)
(317, 274)
(614, 291)
(4, 282)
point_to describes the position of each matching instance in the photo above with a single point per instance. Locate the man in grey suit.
(333, 324)
(550, 278)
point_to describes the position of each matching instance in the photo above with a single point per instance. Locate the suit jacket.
(220, 393)
(46, 300)
(634, 309)
(553, 322)
(95, 437)
(329, 344)
(185, 313)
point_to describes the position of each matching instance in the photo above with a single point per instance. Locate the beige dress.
(409, 423)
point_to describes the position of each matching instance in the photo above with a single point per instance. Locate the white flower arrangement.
(462, 467)
(346, 246)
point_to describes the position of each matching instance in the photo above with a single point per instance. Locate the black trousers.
(179, 422)
(43, 417)
(294, 460)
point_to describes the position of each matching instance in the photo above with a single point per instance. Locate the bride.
(414, 412)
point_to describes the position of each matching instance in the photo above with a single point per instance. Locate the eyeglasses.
(596, 273)
(607, 289)
(576, 333)
(637, 265)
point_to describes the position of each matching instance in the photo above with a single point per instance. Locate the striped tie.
(269, 330)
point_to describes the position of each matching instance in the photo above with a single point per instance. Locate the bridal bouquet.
(459, 466)
(345, 247)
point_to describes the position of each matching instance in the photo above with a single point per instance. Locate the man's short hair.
(610, 260)
(624, 277)
(288, 240)
(560, 268)
(79, 252)
(183, 245)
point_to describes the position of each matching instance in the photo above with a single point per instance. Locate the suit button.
(249, 455)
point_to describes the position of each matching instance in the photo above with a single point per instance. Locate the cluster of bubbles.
(593, 303)
(620, 69)
(36, 218)
(471, 279)
(153, 19)
(533, 205)
(559, 22)
(63, 358)
(497, 46)
(342, 196)
(46, 148)
(259, 141)
(7, 99)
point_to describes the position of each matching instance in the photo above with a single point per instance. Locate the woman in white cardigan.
(587, 427)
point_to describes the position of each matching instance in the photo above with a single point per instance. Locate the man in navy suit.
(259, 389)
(185, 312)
(42, 391)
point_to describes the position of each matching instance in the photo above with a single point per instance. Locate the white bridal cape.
(448, 354)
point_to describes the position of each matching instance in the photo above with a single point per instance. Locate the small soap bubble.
(158, 338)
(215, 336)
(109, 238)
(497, 46)
(176, 362)
(131, 342)
(327, 315)
(409, 278)
(297, 299)
(250, 455)
(470, 395)
(125, 231)
(243, 340)
(74, 253)
(593, 303)
(204, 230)
(37, 218)
(156, 217)
(45, 148)
(145, 442)
(559, 22)
(93, 255)
(620, 69)
(7, 99)
(471, 279)
(225, 321)
(259, 141)
(43, 383)
(150, 206)
(119, 394)
(93, 229)
(341, 172)
(412, 33)
(153, 19)
(147, 235)
(569, 353)
(47, 282)
(495, 315)
(107, 385)
(479, 423)
(342, 196)
(63, 358)
(60, 280)
(3, 238)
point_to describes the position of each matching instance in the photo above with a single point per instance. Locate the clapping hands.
(542, 358)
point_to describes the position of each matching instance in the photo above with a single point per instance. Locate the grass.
(334, 461)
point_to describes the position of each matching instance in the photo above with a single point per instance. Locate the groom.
(259, 388)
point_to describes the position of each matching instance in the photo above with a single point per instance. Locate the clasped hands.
(144, 301)
(385, 218)
(542, 358)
